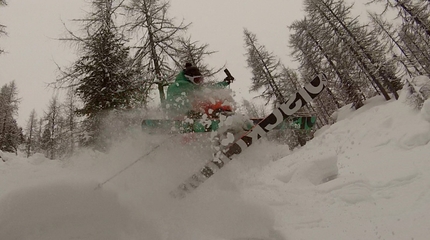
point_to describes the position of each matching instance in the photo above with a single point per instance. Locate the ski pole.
(131, 164)
(227, 72)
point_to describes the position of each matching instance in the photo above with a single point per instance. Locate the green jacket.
(180, 94)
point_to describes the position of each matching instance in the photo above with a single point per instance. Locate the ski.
(283, 112)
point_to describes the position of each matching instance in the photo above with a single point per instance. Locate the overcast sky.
(33, 51)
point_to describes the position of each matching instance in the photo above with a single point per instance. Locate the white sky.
(32, 48)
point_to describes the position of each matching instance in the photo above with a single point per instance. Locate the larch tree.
(30, 134)
(10, 133)
(156, 35)
(317, 51)
(403, 55)
(103, 77)
(193, 52)
(52, 129)
(70, 105)
(359, 42)
(418, 49)
(413, 33)
(415, 11)
(265, 69)
(38, 134)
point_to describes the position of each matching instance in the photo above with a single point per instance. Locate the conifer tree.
(406, 59)
(413, 34)
(415, 11)
(38, 134)
(10, 133)
(70, 122)
(359, 42)
(31, 138)
(157, 35)
(52, 133)
(265, 70)
(103, 77)
(45, 141)
(415, 46)
(194, 53)
(318, 53)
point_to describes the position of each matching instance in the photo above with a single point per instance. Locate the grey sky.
(32, 48)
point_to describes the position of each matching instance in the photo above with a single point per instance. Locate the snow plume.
(213, 95)
(215, 210)
(124, 194)
(118, 125)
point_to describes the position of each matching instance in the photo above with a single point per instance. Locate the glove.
(229, 79)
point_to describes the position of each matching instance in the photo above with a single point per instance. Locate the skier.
(201, 105)
(184, 95)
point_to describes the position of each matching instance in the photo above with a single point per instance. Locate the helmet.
(193, 74)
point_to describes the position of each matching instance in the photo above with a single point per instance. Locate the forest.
(129, 49)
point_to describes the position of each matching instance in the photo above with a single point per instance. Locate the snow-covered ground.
(365, 177)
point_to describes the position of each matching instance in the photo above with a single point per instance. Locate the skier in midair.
(183, 95)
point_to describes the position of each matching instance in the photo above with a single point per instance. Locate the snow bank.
(377, 162)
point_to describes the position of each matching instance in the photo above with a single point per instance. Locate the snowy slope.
(365, 177)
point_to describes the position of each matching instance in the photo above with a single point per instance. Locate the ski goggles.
(195, 79)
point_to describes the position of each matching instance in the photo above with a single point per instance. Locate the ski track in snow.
(365, 177)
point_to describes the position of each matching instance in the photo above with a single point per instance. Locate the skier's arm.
(225, 83)
(222, 84)
(227, 80)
